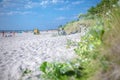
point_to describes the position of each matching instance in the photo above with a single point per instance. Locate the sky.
(41, 14)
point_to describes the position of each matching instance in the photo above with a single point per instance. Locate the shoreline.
(26, 30)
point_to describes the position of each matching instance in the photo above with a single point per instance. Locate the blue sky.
(42, 14)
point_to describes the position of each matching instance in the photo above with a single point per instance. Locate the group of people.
(6, 34)
(61, 31)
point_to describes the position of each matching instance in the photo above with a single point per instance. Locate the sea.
(20, 31)
(17, 31)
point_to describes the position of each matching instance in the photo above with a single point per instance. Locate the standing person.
(13, 33)
(63, 31)
(3, 33)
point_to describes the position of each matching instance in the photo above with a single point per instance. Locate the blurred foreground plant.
(111, 48)
(61, 71)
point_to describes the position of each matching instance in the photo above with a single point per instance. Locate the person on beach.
(3, 33)
(13, 33)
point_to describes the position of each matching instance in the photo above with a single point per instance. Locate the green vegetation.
(26, 71)
(110, 50)
(103, 7)
(98, 50)
(61, 71)
(88, 50)
(71, 43)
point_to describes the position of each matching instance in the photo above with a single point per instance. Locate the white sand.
(27, 51)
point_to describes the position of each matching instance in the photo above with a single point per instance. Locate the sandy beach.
(27, 51)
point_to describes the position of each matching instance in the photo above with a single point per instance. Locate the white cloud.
(27, 4)
(77, 2)
(63, 8)
(54, 1)
(44, 3)
(59, 1)
(61, 18)
(31, 4)
(13, 4)
(10, 7)
(75, 16)
(16, 13)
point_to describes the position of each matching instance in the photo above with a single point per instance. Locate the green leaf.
(43, 67)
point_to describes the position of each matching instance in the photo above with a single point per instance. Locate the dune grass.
(111, 48)
(75, 26)
(98, 52)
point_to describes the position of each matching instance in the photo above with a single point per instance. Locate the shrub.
(61, 71)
